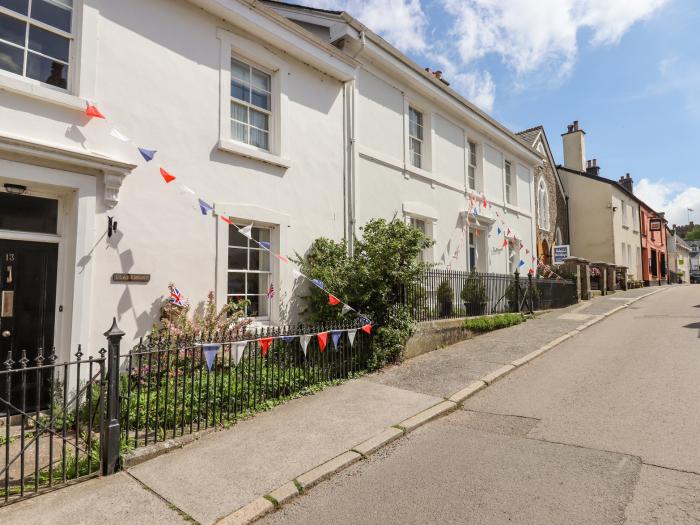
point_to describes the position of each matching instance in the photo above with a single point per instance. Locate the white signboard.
(561, 253)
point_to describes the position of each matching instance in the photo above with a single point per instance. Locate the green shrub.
(384, 261)
(493, 322)
(445, 295)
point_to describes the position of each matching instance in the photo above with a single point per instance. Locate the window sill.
(246, 151)
(625, 227)
(34, 89)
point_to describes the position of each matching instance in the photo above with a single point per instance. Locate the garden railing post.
(517, 291)
(111, 430)
(531, 294)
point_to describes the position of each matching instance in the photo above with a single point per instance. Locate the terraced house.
(299, 122)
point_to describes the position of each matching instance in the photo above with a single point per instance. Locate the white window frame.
(543, 205)
(259, 57)
(509, 191)
(412, 220)
(472, 164)
(252, 107)
(421, 139)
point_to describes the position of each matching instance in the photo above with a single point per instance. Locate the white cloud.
(672, 198)
(529, 36)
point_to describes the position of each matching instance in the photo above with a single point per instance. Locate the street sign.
(655, 225)
(561, 253)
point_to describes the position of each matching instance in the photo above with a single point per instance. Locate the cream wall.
(159, 84)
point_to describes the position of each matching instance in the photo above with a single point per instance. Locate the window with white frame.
(635, 219)
(36, 39)
(510, 192)
(625, 219)
(249, 274)
(420, 225)
(543, 205)
(251, 104)
(471, 168)
(628, 261)
(415, 136)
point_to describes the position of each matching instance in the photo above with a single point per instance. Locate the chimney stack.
(574, 147)
(592, 167)
(627, 183)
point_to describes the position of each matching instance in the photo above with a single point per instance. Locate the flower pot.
(474, 309)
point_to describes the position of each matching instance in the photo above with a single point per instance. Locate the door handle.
(6, 333)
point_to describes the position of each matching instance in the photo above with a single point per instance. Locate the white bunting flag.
(346, 309)
(238, 349)
(351, 337)
(304, 342)
(186, 189)
(296, 273)
(247, 231)
(119, 135)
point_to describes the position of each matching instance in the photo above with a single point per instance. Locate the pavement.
(239, 474)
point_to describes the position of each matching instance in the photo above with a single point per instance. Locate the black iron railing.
(52, 414)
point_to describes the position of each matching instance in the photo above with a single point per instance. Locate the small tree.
(445, 295)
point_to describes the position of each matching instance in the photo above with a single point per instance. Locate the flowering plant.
(595, 272)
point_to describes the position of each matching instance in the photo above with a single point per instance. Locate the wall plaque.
(131, 277)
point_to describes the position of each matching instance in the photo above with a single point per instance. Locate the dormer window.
(36, 39)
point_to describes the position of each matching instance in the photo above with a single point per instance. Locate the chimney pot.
(575, 125)
(438, 74)
(595, 162)
(570, 128)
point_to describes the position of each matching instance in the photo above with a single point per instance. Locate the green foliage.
(384, 261)
(694, 234)
(493, 322)
(474, 290)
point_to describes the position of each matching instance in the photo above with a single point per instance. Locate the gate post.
(111, 430)
(517, 290)
(530, 294)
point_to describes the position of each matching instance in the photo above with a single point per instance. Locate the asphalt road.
(603, 429)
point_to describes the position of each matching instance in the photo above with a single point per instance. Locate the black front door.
(27, 301)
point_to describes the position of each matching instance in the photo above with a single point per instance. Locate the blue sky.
(628, 70)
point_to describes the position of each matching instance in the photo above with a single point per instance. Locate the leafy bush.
(384, 261)
(445, 294)
(474, 290)
(493, 322)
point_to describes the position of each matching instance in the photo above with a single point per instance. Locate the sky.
(627, 70)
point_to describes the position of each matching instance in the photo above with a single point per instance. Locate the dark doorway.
(27, 307)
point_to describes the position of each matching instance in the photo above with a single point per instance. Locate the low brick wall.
(431, 335)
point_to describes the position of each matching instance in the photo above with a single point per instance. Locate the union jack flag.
(271, 291)
(175, 296)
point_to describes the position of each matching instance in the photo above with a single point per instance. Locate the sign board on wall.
(655, 225)
(131, 277)
(561, 253)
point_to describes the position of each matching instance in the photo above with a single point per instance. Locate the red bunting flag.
(485, 203)
(166, 176)
(92, 111)
(322, 340)
(226, 219)
(265, 344)
(281, 257)
(505, 242)
(508, 232)
(333, 300)
(532, 272)
(367, 328)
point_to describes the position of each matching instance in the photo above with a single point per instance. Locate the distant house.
(551, 202)
(678, 256)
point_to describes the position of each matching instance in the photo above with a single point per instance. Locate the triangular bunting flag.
(186, 189)
(318, 282)
(281, 257)
(288, 338)
(367, 328)
(335, 335)
(147, 154)
(499, 231)
(322, 340)
(508, 232)
(92, 111)
(297, 273)
(238, 349)
(166, 176)
(226, 219)
(304, 342)
(527, 251)
(485, 203)
(247, 231)
(204, 207)
(265, 244)
(346, 309)
(521, 263)
(210, 351)
(351, 337)
(505, 242)
(333, 300)
(531, 271)
(118, 135)
(265, 344)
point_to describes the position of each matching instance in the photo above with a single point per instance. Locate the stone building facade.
(551, 201)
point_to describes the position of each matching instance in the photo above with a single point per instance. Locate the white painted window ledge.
(36, 90)
(236, 148)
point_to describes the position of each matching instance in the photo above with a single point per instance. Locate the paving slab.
(226, 470)
(116, 499)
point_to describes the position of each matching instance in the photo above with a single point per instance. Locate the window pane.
(47, 70)
(239, 112)
(254, 308)
(259, 120)
(28, 214)
(21, 6)
(237, 259)
(257, 283)
(236, 238)
(261, 80)
(12, 30)
(239, 132)
(260, 99)
(236, 282)
(240, 70)
(258, 138)
(240, 91)
(261, 234)
(50, 13)
(259, 260)
(11, 58)
(48, 43)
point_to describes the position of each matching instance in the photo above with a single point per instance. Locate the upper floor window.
(510, 192)
(251, 104)
(543, 205)
(471, 169)
(415, 136)
(635, 219)
(625, 218)
(36, 38)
